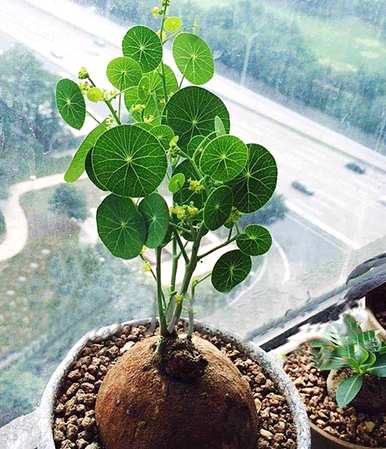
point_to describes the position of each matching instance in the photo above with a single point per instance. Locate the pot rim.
(269, 365)
(292, 346)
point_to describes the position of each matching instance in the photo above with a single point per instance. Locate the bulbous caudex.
(147, 403)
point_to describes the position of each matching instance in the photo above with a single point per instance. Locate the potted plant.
(368, 280)
(124, 386)
(342, 378)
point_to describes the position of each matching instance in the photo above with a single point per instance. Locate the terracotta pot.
(270, 366)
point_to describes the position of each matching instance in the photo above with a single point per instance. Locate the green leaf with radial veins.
(257, 182)
(193, 58)
(348, 389)
(255, 240)
(191, 112)
(77, 166)
(70, 103)
(176, 182)
(131, 98)
(90, 172)
(144, 46)
(123, 72)
(194, 144)
(230, 269)
(151, 83)
(121, 227)
(156, 213)
(129, 161)
(185, 195)
(218, 207)
(163, 133)
(224, 158)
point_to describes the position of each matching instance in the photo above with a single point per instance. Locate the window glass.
(305, 78)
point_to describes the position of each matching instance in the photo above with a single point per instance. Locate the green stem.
(217, 247)
(182, 248)
(162, 64)
(93, 117)
(108, 104)
(161, 312)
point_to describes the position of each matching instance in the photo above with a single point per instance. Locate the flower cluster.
(185, 212)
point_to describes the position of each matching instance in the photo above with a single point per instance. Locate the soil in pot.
(74, 424)
(348, 424)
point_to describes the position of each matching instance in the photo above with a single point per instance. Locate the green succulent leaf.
(257, 181)
(224, 158)
(77, 166)
(70, 103)
(194, 58)
(123, 72)
(144, 46)
(185, 195)
(129, 161)
(121, 227)
(191, 112)
(90, 172)
(218, 207)
(348, 389)
(176, 182)
(173, 24)
(156, 213)
(255, 240)
(230, 269)
(379, 368)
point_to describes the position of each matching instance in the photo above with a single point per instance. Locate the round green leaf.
(185, 195)
(151, 83)
(176, 182)
(144, 46)
(254, 240)
(194, 144)
(121, 227)
(191, 112)
(70, 103)
(123, 72)
(131, 97)
(163, 133)
(173, 24)
(218, 207)
(76, 167)
(231, 269)
(257, 182)
(129, 161)
(156, 213)
(198, 151)
(193, 58)
(90, 172)
(224, 158)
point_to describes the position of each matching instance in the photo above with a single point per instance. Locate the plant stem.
(93, 117)
(108, 104)
(181, 245)
(161, 312)
(162, 63)
(217, 247)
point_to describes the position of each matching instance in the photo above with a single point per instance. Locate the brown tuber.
(142, 406)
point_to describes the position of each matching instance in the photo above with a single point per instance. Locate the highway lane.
(345, 204)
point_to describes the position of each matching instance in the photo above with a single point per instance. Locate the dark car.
(302, 188)
(356, 168)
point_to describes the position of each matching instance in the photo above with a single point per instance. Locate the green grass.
(346, 44)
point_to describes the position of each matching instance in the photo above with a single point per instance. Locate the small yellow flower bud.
(146, 267)
(155, 11)
(83, 73)
(195, 185)
(179, 298)
(138, 107)
(148, 119)
(234, 217)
